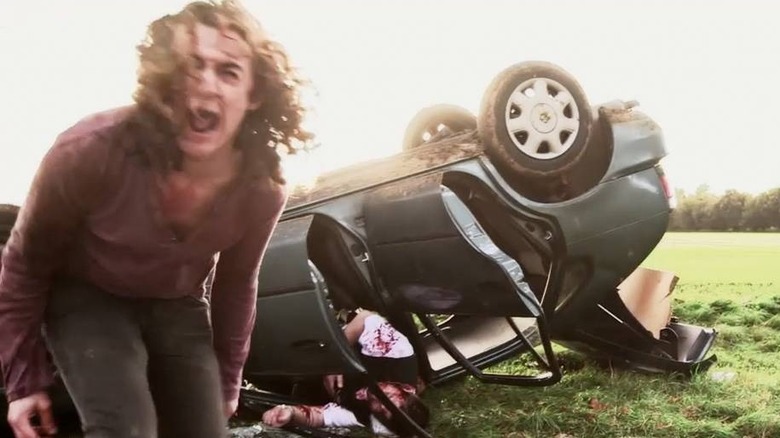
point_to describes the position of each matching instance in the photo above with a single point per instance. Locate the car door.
(296, 331)
(433, 258)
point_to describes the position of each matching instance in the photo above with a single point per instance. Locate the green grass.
(749, 262)
(727, 281)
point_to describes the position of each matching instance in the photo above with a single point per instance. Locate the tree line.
(731, 211)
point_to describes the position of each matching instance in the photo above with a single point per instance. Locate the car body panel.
(311, 342)
(361, 176)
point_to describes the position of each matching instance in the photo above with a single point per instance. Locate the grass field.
(748, 261)
(729, 281)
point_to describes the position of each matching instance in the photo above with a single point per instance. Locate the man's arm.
(355, 327)
(330, 415)
(335, 382)
(304, 415)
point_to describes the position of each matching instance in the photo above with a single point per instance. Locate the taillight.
(668, 188)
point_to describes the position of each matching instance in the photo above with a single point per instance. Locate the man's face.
(217, 92)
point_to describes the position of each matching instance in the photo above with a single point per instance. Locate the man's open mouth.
(202, 120)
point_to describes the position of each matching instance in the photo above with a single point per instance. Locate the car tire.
(435, 122)
(535, 121)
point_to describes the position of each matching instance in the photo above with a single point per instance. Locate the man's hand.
(333, 384)
(278, 416)
(21, 411)
(230, 408)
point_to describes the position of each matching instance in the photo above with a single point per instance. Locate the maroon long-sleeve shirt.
(90, 214)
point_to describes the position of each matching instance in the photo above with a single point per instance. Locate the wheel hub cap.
(543, 118)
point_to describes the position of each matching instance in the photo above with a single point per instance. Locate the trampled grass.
(729, 281)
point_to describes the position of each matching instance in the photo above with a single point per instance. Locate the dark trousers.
(136, 367)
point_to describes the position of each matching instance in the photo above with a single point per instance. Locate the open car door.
(435, 261)
(296, 332)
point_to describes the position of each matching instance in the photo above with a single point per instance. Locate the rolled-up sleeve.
(234, 292)
(67, 181)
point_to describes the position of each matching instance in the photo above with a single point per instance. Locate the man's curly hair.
(164, 60)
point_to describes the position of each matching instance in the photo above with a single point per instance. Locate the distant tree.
(727, 211)
(763, 211)
(701, 207)
(680, 219)
(702, 189)
(732, 211)
(755, 218)
(677, 220)
(773, 205)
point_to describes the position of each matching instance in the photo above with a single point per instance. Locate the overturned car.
(537, 215)
(487, 237)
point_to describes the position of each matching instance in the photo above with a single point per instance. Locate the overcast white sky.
(706, 71)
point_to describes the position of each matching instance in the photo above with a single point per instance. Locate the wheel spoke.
(540, 88)
(518, 124)
(568, 124)
(519, 99)
(533, 143)
(564, 98)
(556, 147)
